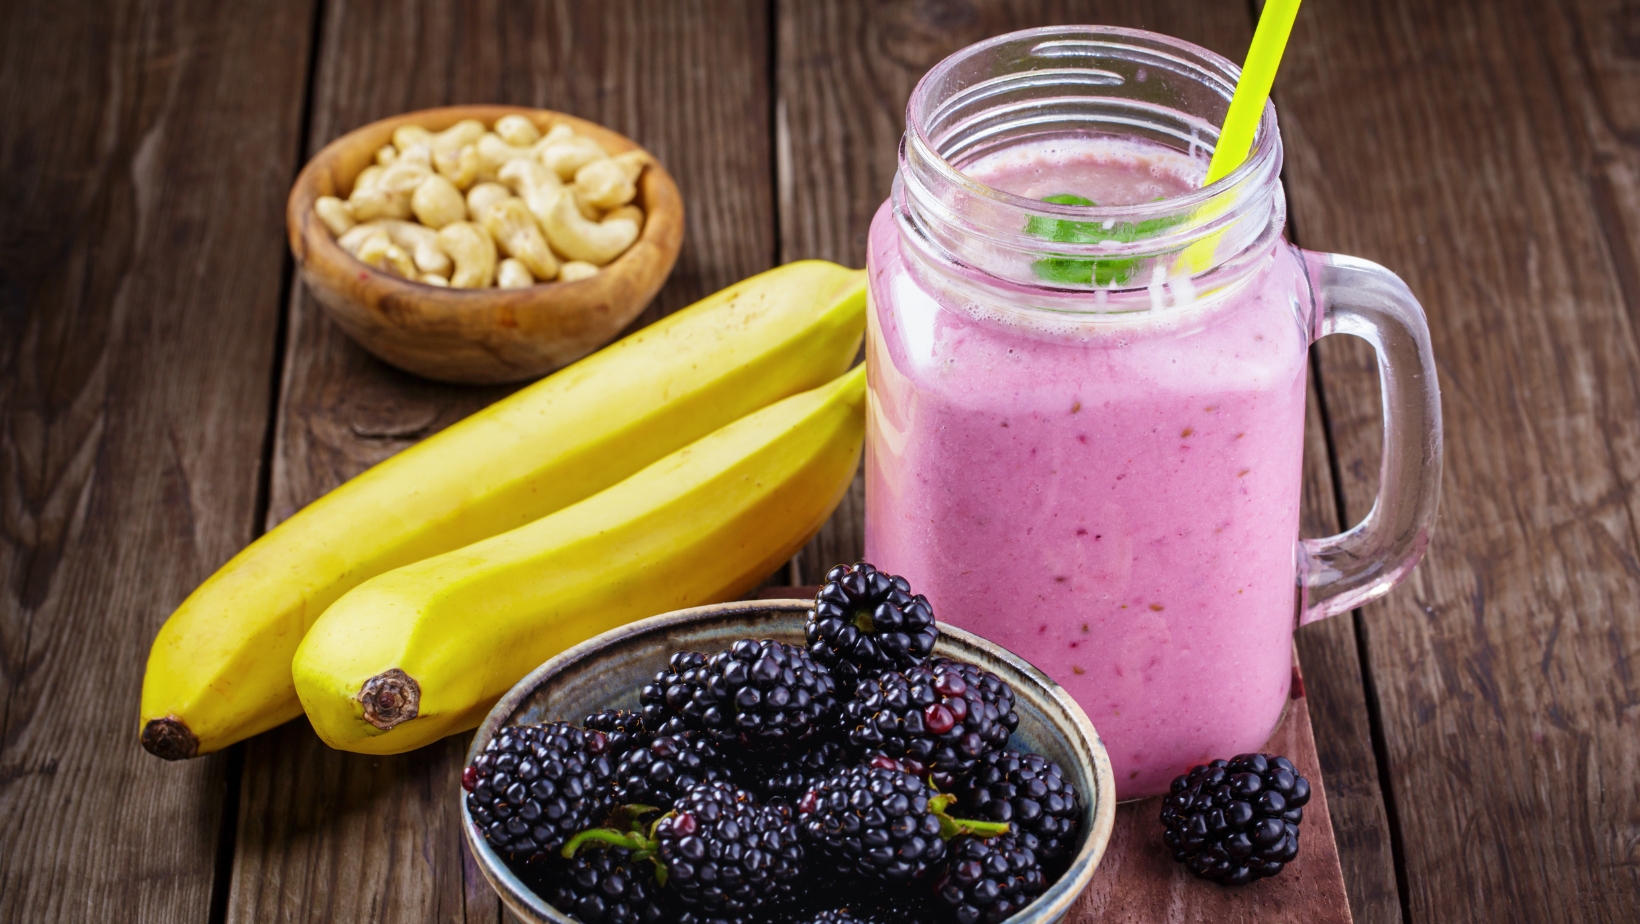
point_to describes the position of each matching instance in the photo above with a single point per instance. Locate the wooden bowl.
(477, 336)
(606, 673)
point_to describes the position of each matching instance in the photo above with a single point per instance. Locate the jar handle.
(1342, 572)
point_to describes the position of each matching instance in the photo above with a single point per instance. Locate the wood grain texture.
(1138, 883)
(1480, 149)
(145, 154)
(844, 72)
(687, 81)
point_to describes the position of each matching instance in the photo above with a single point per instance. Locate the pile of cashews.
(470, 207)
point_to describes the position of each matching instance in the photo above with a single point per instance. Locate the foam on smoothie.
(1108, 171)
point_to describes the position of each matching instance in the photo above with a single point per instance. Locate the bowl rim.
(1049, 906)
(657, 189)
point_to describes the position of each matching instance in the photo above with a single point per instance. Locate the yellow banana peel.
(424, 651)
(220, 669)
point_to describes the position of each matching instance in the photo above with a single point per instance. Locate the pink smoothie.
(1114, 498)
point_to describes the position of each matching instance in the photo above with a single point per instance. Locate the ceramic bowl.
(606, 673)
(477, 335)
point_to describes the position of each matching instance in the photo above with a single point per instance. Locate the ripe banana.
(422, 652)
(220, 668)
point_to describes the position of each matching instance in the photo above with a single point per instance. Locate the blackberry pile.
(855, 779)
(1236, 821)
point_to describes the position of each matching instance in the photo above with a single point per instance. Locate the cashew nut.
(389, 195)
(579, 238)
(437, 202)
(334, 213)
(517, 130)
(459, 166)
(576, 269)
(369, 177)
(465, 132)
(420, 242)
(517, 235)
(386, 154)
(513, 274)
(378, 250)
(373, 202)
(539, 187)
(406, 135)
(493, 153)
(570, 154)
(473, 251)
(434, 279)
(610, 182)
(629, 212)
(482, 196)
(415, 154)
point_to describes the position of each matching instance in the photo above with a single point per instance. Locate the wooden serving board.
(1138, 883)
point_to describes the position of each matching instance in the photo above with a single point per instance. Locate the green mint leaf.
(1090, 270)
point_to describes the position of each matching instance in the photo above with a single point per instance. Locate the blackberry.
(761, 695)
(1028, 790)
(664, 769)
(624, 728)
(535, 786)
(881, 824)
(723, 852)
(988, 880)
(1236, 821)
(865, 621)
(603, 884)
(928, 717)
(665, 697)
(992, 689)
(788, 777)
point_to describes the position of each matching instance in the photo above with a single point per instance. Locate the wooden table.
(167, 392)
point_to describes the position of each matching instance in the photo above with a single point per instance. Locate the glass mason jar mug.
(1086, 417)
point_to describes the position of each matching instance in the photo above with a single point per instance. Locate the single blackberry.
(665, 697)
(787, 777)
(762, 695)
(723, 852)
(535, 786)
(881, 824)
(1236, 821)
(1028, 790)
(624, 728)
(992, 689)
(989, 880)
(865, 621)
(664, 769)
(603, 884)
(928, 717)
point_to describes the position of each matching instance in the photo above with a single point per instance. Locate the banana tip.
(169, 738)
(390, 698)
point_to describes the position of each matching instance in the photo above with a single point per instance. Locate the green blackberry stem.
(951, 827)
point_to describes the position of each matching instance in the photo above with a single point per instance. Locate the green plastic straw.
(1258, 74)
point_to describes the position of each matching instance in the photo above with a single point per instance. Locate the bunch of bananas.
(677, 467)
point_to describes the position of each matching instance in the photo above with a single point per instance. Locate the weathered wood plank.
(845, 71)
(1138, 883)
(327, 836)
(145, 159)
(1478, 148)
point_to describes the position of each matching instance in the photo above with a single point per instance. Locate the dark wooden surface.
(166, 393)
